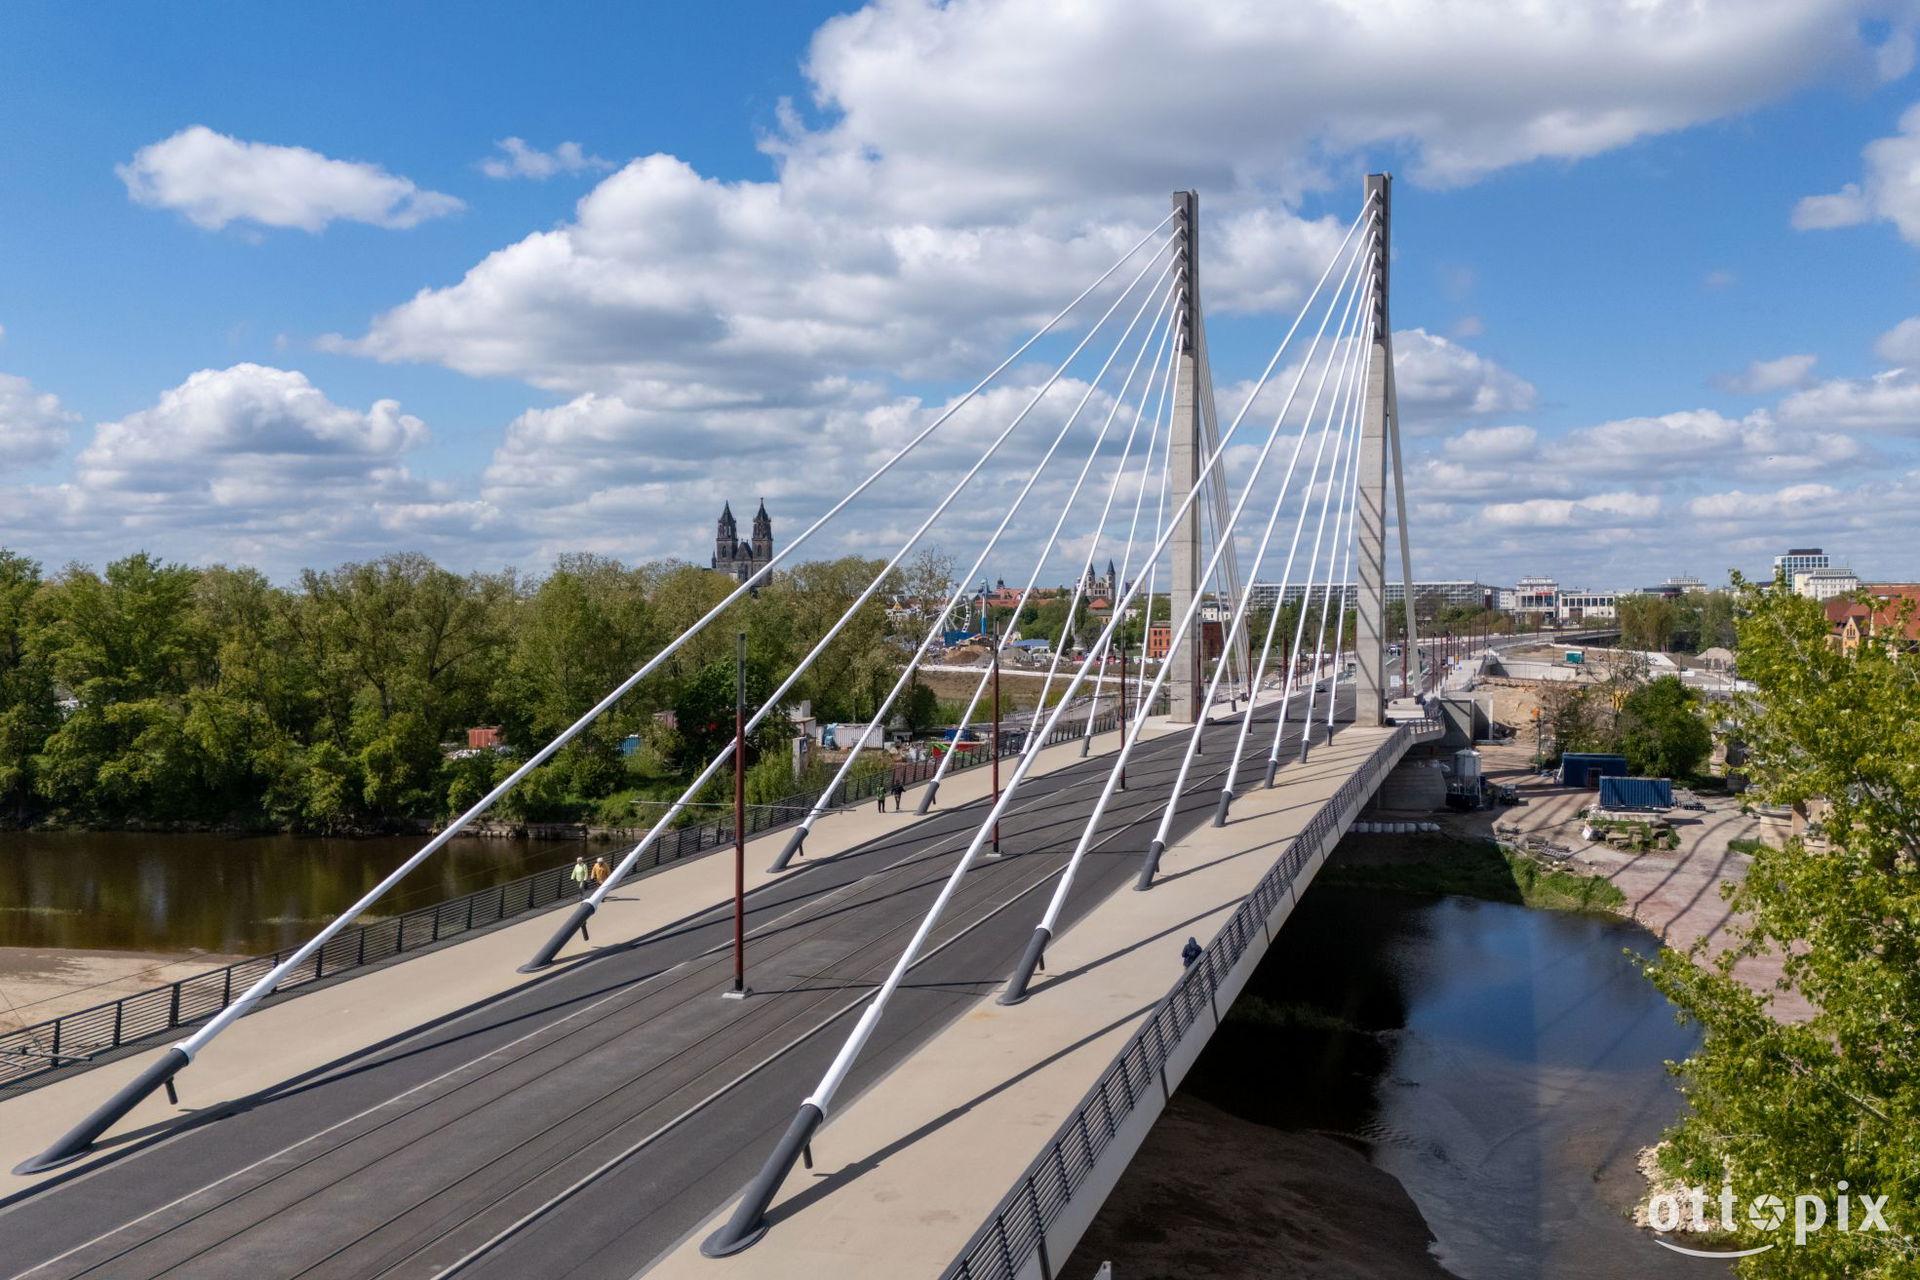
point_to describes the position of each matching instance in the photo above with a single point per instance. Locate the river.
(228, 894)
(1504, 1065)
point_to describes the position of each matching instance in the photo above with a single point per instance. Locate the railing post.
(173, 1006)
(119, 1017)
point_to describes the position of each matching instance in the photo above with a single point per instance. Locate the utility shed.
(1635, 795)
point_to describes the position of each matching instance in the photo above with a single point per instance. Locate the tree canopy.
(154, 692)
(1789, 1108)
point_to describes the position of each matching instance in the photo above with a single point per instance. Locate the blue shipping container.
(1636, 793)
(1586, 768)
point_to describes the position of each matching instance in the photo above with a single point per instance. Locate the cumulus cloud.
(1888, 190)
(1886, 402)
(1765, 376)
(33, 425)
(1493, 444)
(214, 180)
(523, 161)
(1900, 344)
(1440, 382)
(248, 462)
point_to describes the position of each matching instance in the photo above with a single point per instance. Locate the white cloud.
(1886, 402)
(247, 463)
(1900, 344)
(1493, 444)
(33, 425)
(1765, 376)
(1440, 382)
(1716, 281)
(1888, 190)
(215, 180)
(523, 161)
(1594, 512)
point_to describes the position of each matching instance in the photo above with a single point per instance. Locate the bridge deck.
(904, 1177)
(580, 1123)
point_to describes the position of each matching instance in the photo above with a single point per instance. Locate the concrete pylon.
(1370, 510)
(1185, 686)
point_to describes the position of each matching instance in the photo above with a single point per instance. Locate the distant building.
(1825, 584)
(1537, 595)
(1689, 586)
(1892, 602)
(1587, 606)
(1800, 558)
(481, 737)
(1453, 591)
(1160, 635)
(741, 558)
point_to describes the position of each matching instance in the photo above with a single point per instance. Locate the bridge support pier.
(1034, 958)
(78, 1141)
(749, 1220)
(576, 923)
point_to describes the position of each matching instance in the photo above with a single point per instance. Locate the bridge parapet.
(1036, 1225)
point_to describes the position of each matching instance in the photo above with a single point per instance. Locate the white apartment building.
(1825, 584)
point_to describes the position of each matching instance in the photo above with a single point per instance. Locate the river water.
(236, 894)
(1506, 1065)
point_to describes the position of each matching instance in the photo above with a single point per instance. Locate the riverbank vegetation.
(1476, 869)
(1659, 724)
(1812, 1107)
(153, 693)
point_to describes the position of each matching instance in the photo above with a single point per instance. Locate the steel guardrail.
(1016, 1231)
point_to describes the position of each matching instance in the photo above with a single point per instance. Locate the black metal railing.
(31, 1053)
(1017, 1230)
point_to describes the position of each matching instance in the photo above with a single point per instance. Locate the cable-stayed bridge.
(957, 1021)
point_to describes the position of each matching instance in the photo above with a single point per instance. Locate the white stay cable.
(81, 1136)
(1336, 497)
(1165, 406)
(593, 900)
(1165, 324)
(1165, 829)
(1300, 630)
(192, 1045)
(1346, 541)
(1273, 622)
(822, 1096)
(911, 669)
(1343, 494)
(1349, 286)
(748, 1220)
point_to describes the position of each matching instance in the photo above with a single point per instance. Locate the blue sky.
(803, 231)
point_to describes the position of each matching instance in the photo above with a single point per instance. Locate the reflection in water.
(1505, 1064)
(228, 893)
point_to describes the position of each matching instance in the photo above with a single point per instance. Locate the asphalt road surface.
(583, 1124)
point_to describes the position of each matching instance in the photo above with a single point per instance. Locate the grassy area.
(1480, 869)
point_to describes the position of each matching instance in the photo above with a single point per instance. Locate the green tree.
(29, 711)
(1787, 1108)
(1661, 729)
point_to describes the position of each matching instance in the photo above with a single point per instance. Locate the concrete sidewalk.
(907, 1172)
(310, 1030)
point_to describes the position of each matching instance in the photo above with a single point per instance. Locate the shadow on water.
(1505, 1064)
(239, 894)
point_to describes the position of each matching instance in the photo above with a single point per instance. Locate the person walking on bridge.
(581, 875)
(600, 872)
(897, 792)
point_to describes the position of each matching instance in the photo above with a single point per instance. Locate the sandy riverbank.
(41, 983)
(1214, 1197)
